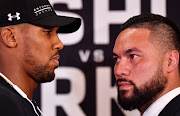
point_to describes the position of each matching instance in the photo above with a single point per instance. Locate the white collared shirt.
(155, 108)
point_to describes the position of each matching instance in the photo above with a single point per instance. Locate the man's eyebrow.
(114, 54)
(132, 50)
(128, 51)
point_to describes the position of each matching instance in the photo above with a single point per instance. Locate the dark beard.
(144, 94)
(42, 75)
(39, 73)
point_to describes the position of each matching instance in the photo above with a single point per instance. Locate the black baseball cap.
(37, 12)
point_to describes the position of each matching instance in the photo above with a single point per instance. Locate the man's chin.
(46, 80)
(126, 103)
(126, 99)
(48, 77)
(126, 93)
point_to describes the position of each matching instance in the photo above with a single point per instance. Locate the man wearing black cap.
(29, 51)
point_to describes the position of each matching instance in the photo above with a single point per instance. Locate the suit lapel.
(172, 107)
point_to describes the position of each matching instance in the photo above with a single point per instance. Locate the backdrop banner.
(85, 84)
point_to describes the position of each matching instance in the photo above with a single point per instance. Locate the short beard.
(42, 75)
(145, 94)
(39, 73)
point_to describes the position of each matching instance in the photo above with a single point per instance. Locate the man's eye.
(116, 59)
(48, 31)
(133, 56)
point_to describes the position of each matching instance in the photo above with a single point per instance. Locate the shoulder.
(8, 93)
(172, 108)
(13, 104)
(177, 113)
(10, 103)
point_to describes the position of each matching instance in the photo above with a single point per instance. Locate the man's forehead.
(132, 40)
(131, 33)
(133, 36)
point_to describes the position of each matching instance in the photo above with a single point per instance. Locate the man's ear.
(8, 37)
(173, 60)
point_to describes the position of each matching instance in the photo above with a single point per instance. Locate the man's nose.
(58, 44)
(122, 68)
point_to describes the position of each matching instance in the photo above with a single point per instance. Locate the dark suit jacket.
(172, 108)
(12, 103)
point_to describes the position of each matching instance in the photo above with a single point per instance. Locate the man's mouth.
(123, 85)
(55, 59)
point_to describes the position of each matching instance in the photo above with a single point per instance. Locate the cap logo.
(17, 16)
(42, 9)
